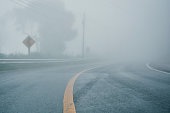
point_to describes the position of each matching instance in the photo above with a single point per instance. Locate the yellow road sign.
(28, 42)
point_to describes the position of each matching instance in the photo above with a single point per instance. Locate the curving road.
(39, 90)
(122, 88)
(116, 88)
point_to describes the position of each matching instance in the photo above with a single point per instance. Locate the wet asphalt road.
(122, 88)
(117, 88)
(36, 90)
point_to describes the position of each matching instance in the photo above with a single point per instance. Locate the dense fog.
(126, 29)
(48, 22)
(116, 29)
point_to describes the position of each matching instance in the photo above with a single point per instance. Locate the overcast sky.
(120, 27)
(124, 27)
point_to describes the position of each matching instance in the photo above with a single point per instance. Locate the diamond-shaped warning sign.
(28, 42)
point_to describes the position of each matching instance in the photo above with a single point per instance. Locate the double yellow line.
(68, 103)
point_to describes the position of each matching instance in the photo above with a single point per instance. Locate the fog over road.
(123, 88)
(116, 88)
(36, 90)
(84, 56)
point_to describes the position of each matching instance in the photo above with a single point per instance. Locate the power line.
(19, 3)
(32, 6)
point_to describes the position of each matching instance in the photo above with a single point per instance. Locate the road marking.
(152, 68)
(73, 59)
(30, 61)
(68, 103)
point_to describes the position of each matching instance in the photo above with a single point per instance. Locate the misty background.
(118, 29)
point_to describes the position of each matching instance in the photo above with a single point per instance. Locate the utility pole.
(83, 40)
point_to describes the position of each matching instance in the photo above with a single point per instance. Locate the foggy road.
(84, 56)
(36, 90)
(122, 88)
(116, 88)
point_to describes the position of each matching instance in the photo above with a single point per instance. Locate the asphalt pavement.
(115, 88)
(39, 90)
(122, 88)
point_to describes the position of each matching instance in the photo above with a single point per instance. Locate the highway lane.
(39, 90)
(122, 88)
(116, 88)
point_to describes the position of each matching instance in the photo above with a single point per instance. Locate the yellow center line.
(68, 103)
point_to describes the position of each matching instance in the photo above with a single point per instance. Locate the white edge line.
(43, 61)
(38, 59)
(152, 68)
